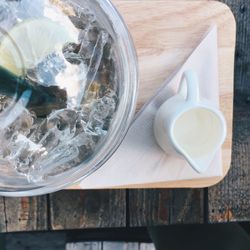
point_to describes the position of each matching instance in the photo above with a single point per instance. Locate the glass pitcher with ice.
(190, 127)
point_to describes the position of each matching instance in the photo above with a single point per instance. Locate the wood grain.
(230, 200)
(26, 214)
(87, 209)
(165, 207)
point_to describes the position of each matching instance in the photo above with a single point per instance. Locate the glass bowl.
(68, 86)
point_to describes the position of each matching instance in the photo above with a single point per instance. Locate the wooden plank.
(26, 214)
(187, 206)
(230, 200)
(86, 209)
(2, 216)
(84, 246)
(146, 246)
(120, 246)
(35, 241)
(165, 207)
(149, 207)
(109, 246)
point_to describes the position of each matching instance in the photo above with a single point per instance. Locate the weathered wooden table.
(228, 201)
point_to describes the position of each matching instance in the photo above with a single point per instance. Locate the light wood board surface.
(165, 33)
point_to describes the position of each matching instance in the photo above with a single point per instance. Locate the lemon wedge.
(30, 41)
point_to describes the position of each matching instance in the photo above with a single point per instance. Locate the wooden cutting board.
(165, 33)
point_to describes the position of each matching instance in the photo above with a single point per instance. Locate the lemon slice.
(29, 42)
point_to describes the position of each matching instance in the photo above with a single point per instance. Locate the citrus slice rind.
(30, 41)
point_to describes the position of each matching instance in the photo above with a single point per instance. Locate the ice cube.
(24, 123)
(23, 152)
(27, 9)
(63, 119)
(83, 18)
(70, 52)
(94, 65)
(8, 15)
(51, 139)
(4, 102)
(103, 108)
(46, 71)
(56, 158)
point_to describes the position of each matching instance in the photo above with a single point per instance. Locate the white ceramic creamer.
(190, 127)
